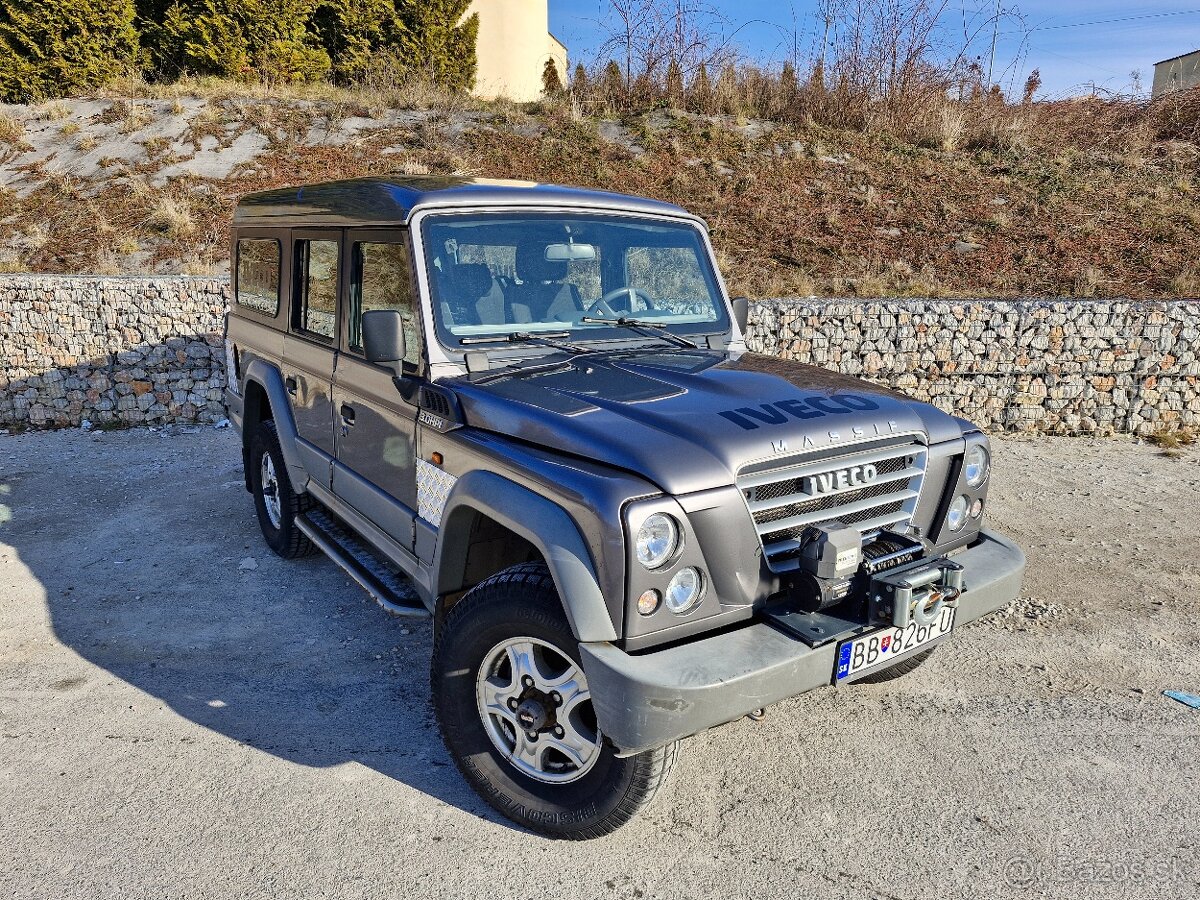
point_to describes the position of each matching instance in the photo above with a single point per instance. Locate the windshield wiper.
(651, 329)
(549, 339)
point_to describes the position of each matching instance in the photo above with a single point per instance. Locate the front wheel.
(516, 713)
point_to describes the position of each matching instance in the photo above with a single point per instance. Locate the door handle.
(347, 414)
(290, 384)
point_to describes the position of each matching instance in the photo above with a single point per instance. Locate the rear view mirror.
(570, 252)
(383, 338)
(741, 313)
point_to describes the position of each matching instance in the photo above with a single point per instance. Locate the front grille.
(787, 498)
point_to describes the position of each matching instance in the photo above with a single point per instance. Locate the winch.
(914, 594)
(844, 588)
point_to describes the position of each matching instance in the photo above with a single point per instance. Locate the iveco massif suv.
(528, 411)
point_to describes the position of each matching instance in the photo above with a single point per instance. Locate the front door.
(375, 419)
(310, 349)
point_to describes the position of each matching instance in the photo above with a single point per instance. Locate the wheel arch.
(531, 518)
(265, 398)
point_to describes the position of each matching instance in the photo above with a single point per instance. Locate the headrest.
(469, 281)
(532, 265)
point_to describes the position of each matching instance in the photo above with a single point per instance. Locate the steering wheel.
(605, 304)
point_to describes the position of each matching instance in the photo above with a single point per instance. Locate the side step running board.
(388, 587)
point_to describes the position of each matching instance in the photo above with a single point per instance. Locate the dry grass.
(12, 129)
(1176, 439)
(170, 217)
(382, 88)
(54, 111)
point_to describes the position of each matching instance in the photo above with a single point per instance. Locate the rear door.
(375, 470)
(310, 350)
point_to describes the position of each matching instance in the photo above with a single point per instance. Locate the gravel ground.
(184, 715)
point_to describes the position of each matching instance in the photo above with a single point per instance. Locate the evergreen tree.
(201, 38)
(614, 85)
(700, 96)
(552, 85)
(355, 32)
(439, 41)
(269, 39)
(674, 84)
(789, 90)
(52, 49)
(579, 82)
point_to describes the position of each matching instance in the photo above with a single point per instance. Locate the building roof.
(392, 199)
(1173, 58)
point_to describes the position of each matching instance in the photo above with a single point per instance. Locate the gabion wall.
(150, 350)
(110, 350)
(1053, 366)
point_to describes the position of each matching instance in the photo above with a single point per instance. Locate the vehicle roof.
(392, 199)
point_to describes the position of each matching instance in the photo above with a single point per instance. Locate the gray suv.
(528, 412)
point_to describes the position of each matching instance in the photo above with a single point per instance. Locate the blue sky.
(1063, 41)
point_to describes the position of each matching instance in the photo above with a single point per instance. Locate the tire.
(277, 520)
(516, 608)
(899, 670)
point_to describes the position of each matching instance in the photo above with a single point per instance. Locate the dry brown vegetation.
(972, 197)
(1173, 444)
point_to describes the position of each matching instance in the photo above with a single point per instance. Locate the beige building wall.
(513, 46)
(1176, 74)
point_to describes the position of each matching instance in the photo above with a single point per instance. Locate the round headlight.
(657, 540)
(685, 590)
(975, 465)
(957, 515)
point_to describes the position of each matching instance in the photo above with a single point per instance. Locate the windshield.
(516, 273)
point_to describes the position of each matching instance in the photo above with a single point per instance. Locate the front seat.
(542, 294)
(469, 295)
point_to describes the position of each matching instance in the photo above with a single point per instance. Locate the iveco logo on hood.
(751, 417)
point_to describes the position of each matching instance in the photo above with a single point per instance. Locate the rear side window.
(316, 287)
(258, 275)
(382, 281)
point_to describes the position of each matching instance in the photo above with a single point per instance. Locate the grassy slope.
(794, 210)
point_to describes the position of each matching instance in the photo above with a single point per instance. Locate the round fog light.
(648, 602)
(976, 509)
(685, 590)
(956, 517)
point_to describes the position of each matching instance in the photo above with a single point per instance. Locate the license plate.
(880, 649)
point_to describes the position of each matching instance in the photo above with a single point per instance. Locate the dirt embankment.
(147, 185)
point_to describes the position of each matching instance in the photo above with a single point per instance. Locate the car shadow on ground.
(154, 570)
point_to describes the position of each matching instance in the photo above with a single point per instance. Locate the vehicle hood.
(689, 420)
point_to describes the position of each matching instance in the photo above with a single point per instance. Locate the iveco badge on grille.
(840, 479)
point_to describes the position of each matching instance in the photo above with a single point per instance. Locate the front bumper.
(647, 701)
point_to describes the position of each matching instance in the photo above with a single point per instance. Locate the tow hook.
(757, 715)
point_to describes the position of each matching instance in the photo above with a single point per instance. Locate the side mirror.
(741, 313)
(383, 338)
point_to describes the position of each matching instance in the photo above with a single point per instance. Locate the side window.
(316, 282)
(258, 275)
(381, 280)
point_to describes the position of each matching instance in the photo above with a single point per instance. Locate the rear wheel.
(275, 502)
(516, 713)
